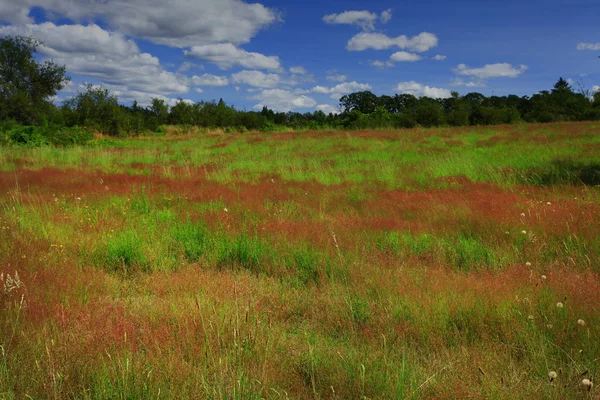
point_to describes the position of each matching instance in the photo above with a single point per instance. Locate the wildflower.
(79, 198)
(559, 305)
(530, 317)
(587, 383)
(507, 233)
(581, 322)
(549, 326)
(524, 232)
(522, 214)
(548, 203)
(552, 375)
(544, 277)
(528, 264)
(225, 209)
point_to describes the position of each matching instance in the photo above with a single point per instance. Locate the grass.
(328, 265)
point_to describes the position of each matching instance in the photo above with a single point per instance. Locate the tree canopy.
(25, 84)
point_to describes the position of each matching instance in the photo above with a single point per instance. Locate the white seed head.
(581, 322)
(544, 277)
(548, 203)
(524, 232)
(225, 209)
(522, 214)
(588, 384)
(552, 375)
(528, 264)
(530, 317)
(549, 326)
(507, 233)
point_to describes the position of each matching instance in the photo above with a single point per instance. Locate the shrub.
(30, 136)
(70, 136)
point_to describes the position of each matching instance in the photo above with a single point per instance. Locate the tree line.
(29, 112)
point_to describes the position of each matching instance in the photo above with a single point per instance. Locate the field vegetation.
(381, 264)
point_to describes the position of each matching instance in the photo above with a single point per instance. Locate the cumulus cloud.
(439, 57)
(327, 109)
(399, 56)
(386, 16)
(420, 90)
(176, 23)
(588, 46)
(378, 41)
(364, 19)
(226, 55)
(380, 64)
(108, 56)
(343, 88)
(298, 70)
(499, 70)
(471, 84)
(403, 56)
(334, 76)
(15, 12)
(256, 79)
(282, 100)
(209, 80)
(595, 89)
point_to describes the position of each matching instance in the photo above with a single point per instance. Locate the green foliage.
(26, 85)
(30, 136)
(96, 108)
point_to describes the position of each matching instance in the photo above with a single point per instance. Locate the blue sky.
(304, 55)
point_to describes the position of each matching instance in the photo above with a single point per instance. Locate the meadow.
(425, 263)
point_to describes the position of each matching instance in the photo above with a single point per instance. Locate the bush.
(30, 136)
(70, 136)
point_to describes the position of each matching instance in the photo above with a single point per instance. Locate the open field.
(327, 265)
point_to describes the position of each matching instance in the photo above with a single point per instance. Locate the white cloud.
(419, 90)
(199, 90)
(94, 52)
(12, 11)
(343, 88)
(439, 57)
(298, 70)
(282, 100)
(226, 55)
(595, 89)
(176, 23)
(327, 109)
(364, 19)
(472, 84)
(335, 77)
(588, 46)
(403, 56)
(380, 64)
(256, 79)
(378, 41)
(386, 16)
(499, 70)
(210, 80)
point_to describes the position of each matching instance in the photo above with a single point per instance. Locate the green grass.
(382, 265)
